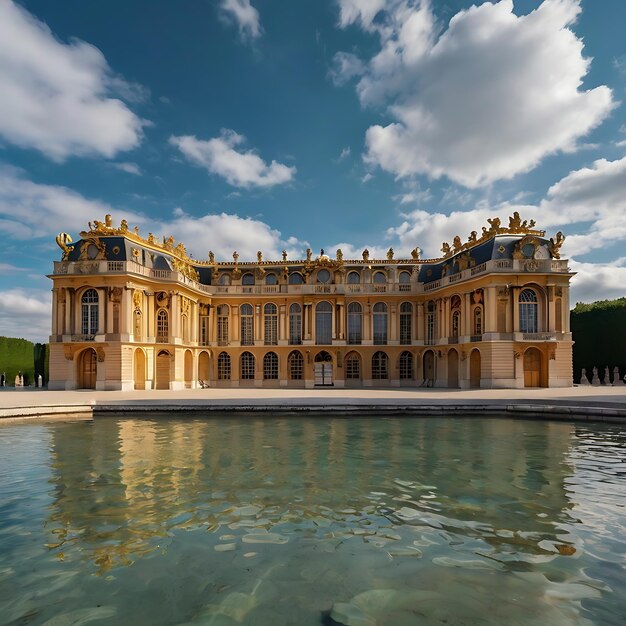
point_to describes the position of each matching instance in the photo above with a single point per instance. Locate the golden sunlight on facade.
(135, 313)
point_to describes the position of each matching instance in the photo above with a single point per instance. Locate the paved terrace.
(576, 403)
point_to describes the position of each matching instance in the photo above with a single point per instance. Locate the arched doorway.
(140, 369)
(188, 369)
(323, 368)
(203, 367)
(533, 368)
(429, 368)
(163, 370)
(475, 367)
(88, 369)
(453, 369)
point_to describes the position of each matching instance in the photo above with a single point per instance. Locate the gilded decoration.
(137, 300)
(516, 226)
(63, 239)
(92, 249)
(115, 294)
(162, 299)
(555, 245)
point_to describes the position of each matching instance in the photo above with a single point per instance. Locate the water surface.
(393, 522)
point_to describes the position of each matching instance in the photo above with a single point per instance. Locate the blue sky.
(256, 124)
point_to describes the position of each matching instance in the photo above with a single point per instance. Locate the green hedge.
(599, 333)
(21, 355)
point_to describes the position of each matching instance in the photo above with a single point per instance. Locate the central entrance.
(323, 369)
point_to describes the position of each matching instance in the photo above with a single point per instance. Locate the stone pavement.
(597, 403)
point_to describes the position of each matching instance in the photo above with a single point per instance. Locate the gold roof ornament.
(555, 244)
(63, 239)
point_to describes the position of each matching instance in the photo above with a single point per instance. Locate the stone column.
(550, 323)
(490, 309)
(466, 324)
(514, 302)
(55, 312)
(420, 322)
(150, 316)
(174, 317)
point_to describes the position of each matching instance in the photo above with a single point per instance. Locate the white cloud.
(345, 153)
(346, 66)
(7, 268)
(240, 169)
(598, 281)
(129, 168)
(26, 314)
(59, 98)
(488, 99)
(245, 16)
(68, 211)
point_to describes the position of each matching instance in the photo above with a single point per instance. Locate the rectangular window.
(222, 330)
(380, 329)
(204, 331)
(271, 330)
(355, 326)
(247, 336)
(353, 369)
(295, 328)
(405, 328)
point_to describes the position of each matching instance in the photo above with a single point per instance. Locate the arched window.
(528, 311)
(295, 324)
(224, 280)
(270, 366)
(223, 366)
(246, 366)
(295, 278)
(295, 361)
(380, 366)
(406, 323)
(380, 323)
(352, 364)
(355, 323)
(404, 281)
(380, 278)
(478, 321)
(431, 318)
(323, 276)
(247, 279)
(246, 318)
(323, 323)
(89, 312)
(271, 279)
(354, 278)
(222, 324)
(162, 326)
(270, 324)
(406, 366)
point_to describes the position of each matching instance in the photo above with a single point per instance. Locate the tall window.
(223, 366)
(352, 364)
(406, 366)
(295, 324)
(295, 278)
(478, 321)
(380, 323)
(90, 312)
(246, 318)
(456, 323)
(323, 323)
(380, 278)
(271, 279)
(353, 278)
(406, 322)
(355, 323)
(270, 324)
(247, 366)
(162, 326)
(380, 366)
(270, 366)
(247, 279)
(528, 311)
(222, 325)
(431, 317)
(296, 365)
(404, 281)
(204, 330)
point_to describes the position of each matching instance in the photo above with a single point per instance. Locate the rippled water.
(312, 521)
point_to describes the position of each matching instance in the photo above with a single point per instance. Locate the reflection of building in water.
(122, 486)
(135, 313)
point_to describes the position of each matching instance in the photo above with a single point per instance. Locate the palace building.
(137, 313)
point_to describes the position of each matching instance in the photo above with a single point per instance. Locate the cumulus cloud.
(60, 98)
(485, 100)
(25, 313)
(346, 66)
(245, 16)
(239, 168)
(68, 211)
(598, 281)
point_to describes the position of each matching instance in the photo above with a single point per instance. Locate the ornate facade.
(138, 313)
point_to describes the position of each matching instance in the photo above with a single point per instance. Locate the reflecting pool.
(392, 522)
